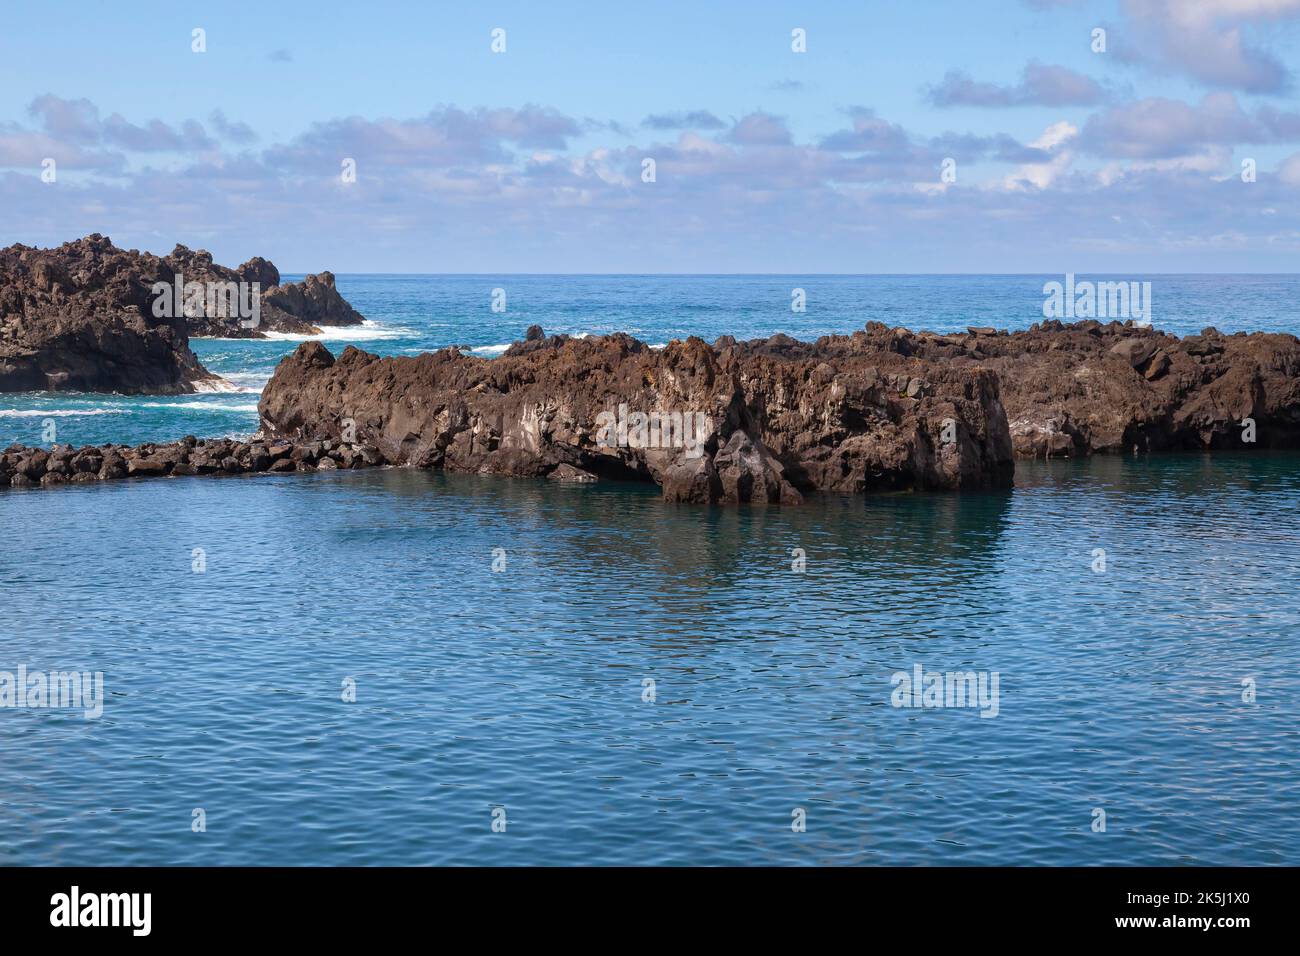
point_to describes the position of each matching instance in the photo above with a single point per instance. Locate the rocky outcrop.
(1079, 389)
(767, 421)
(92, 317)
(314, 302)
(300, 308)
(883, 408)
(78, 317)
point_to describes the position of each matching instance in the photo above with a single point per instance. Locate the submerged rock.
(567, 472)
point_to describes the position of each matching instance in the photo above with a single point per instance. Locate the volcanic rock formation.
(768, 420)
(1077, 389)
(78, 317)
(90, 316)
(301, 308)
(761, 421)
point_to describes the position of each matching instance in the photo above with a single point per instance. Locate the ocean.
(399, 667)
(413, 314)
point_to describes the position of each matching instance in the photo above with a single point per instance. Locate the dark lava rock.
(1088, 387)
(775, 419)
(770, 420)
(1136, 351)
(80, 317)
(87, 316)
(146, 466)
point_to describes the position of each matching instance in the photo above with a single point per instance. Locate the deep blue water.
(523, 689)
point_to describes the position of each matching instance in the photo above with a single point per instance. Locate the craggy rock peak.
(78, 317)
(778, 419)
(82, 316)
(299, 307)
(1077, 389)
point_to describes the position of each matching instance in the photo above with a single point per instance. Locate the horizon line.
(788, 275)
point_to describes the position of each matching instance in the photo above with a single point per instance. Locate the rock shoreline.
(881, 409)
(26, 467)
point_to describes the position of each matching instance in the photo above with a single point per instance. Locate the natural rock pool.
(641, 682)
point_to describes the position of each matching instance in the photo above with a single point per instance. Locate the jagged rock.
(146, 466)
(87, 316)
(1159, 364)
(300, 308)
(1136, 351)
(78, 317)
(1088, 387)
(309, 304)
(114, 467)
(261, 271)
(746, 471)
(880, 409)
(764, 421)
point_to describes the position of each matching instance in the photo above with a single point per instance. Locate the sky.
(791, 138)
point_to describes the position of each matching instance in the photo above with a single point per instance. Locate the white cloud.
(1208, 40)
(1053, 141)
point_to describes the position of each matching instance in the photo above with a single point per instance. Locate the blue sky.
(767, 160)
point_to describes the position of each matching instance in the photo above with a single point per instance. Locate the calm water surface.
(523, 689)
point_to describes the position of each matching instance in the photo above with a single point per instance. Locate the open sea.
(397, 667)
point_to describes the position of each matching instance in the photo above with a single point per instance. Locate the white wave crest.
(366, 331)
(202, 406)
(58, 412)
(215, 384)
(248, 383)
